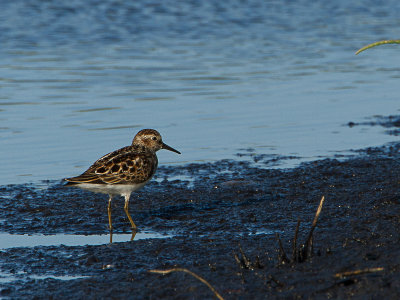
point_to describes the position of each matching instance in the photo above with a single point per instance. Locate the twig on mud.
(302, 252)
(358, 272)
(282, 254)
(306, 247)
(165, 272)
(245, 263)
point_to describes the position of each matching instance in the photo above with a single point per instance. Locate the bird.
(123, 171)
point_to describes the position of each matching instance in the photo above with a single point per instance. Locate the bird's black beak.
(166, 147)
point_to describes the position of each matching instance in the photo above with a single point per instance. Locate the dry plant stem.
(358, 272)
(246, 261)
(165, 272)
(237, 259)
(284, 257)
(314, 224)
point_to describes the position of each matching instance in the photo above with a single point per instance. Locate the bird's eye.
(154, 138)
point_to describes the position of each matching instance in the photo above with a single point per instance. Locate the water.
(80, 78)
(24, 240)
(10, 277)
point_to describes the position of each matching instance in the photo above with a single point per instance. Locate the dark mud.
(390, 123)
(226, 206)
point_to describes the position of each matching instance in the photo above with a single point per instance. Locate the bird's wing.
(123, 166)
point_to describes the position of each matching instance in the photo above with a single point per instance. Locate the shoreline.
(229, 209)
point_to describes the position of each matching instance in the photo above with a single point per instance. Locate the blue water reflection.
(80, 78)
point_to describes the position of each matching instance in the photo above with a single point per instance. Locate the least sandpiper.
(123, 171)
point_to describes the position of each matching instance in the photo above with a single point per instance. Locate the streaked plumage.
(125, 170)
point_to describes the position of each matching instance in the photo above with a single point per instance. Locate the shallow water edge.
(229, 208)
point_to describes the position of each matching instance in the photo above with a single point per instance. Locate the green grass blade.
(377, 44)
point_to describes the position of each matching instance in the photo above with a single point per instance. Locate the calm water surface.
(78, 79)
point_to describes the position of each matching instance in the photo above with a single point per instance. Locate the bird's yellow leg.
(109, 217)
(109, 212)
(133, 234)
(126, 206)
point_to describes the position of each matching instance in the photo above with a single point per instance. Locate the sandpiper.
(124, 170)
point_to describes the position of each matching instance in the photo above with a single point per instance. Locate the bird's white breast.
(112, 189)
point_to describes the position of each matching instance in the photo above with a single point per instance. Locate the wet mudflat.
(207, 214)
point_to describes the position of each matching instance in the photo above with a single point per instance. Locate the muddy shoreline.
(225, 206)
